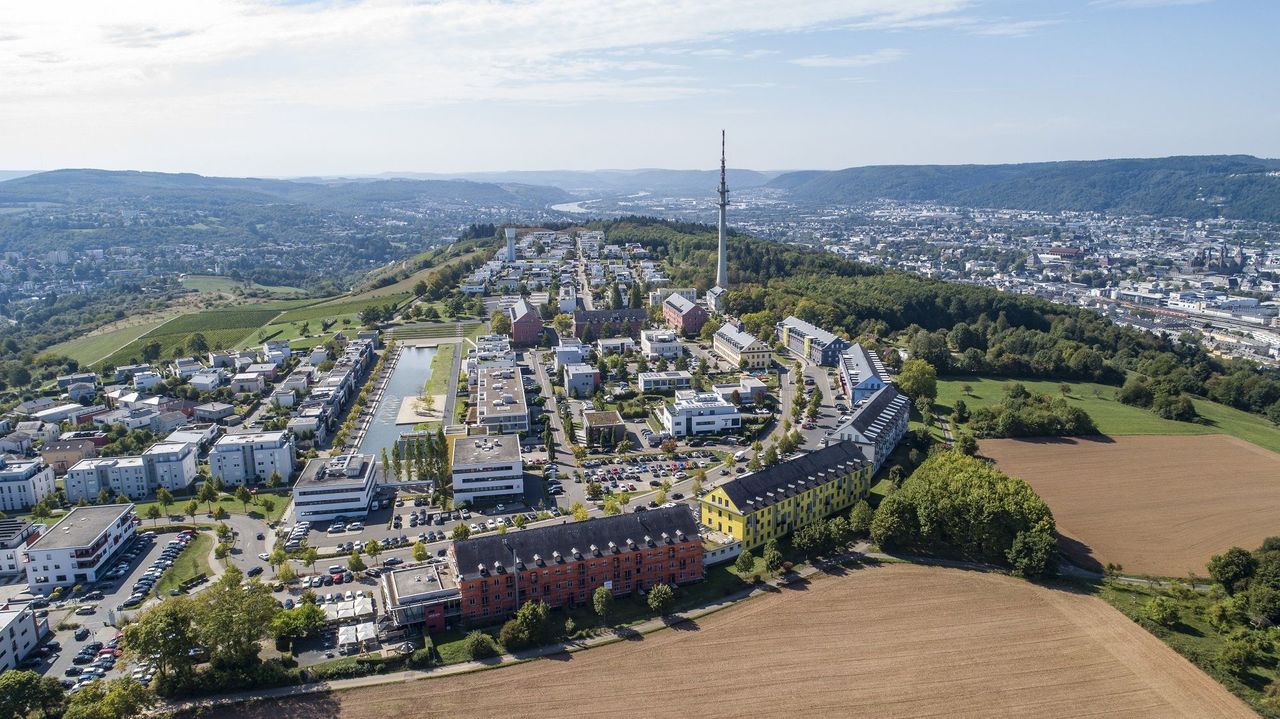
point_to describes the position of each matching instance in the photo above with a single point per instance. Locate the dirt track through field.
(1155, 505)
(895, 641)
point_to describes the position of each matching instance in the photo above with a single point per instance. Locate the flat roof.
(81, 526)
(12, 528)
(420, 581)
(249, 438)
(334, 470)
(486, 448)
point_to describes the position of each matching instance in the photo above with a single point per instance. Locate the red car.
(337, 578)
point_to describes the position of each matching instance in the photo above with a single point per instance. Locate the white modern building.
(862, 374)
(500, 406)
(15, 535)
(660, 343)
(251, 458)
(669, 381)
(24, 483)
(699, 413)
(78, 549)
(580, 380)
(20, 632)
(171, 465)
(333, 487)
(570, 351)
(877, 425)
(486, 467)
(116, 475)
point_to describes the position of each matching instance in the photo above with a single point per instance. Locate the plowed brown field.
(1155, 505)
(894, 641)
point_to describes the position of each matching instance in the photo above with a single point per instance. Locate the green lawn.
(219, 283)
(441, 369)
(88, 349)
(193, 560)
(1112, 417)
(227, 502)
(1196, 639)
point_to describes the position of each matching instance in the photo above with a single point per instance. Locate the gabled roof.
(521, 309)
(679, 303)
(677, 523)
(860, 364)
(881, 411)
(737, 338)
(761, 489)
(805, 329)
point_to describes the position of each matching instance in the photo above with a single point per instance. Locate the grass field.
(893, 641)
(227, 502)
(221, 327)
(192, 561)
(227, 285)
(1195, 638)
(1114, 418)
(1155, 505)
(90, 348)
(441, 369)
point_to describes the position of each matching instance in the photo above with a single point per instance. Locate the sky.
(345, 87)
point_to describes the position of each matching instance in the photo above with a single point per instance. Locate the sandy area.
(411, 411)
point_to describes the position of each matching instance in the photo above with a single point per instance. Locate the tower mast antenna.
(722, 261)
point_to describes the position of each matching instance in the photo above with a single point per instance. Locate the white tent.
(347, 636)
(366, 632)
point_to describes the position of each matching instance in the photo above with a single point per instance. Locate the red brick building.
(526, 323)
(563, 564)
(683, 316)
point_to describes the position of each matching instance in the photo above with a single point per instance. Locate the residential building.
(878, 423)
(526, 323)
(810, 343)
(567, 301)
(740, 348)
(143, 381)
(563, 564)
(580, 380)
(20, 631)
(42, 431)
(79, 548)
(115, 475)
(669, 381)
(658, 296)
(171, 465)
(61, 454)
(615, 345)
(17, 442)
(486, 467)
(699, 413)
(252, 458)
(660, 343)
(336, 487)
(603, 428)
(15, 535)
(24, 483)
(248, 382)
(570, 351)
(66, 380)
(591, 325)
(862, 374)
(684, 315)
(126, 373)
(500, 401)
(778, 500)
(213, 411)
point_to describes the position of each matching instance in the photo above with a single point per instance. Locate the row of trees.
(1025, 414)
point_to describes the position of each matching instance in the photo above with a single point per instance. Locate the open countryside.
(885, 642)
(1154, 505)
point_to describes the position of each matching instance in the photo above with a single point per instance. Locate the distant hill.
(1197, 187)
(82, 187)
(679, 182)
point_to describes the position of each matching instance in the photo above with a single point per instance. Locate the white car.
(264, 556)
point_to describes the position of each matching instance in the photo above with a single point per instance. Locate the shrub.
(1162, 611)
(479, 645)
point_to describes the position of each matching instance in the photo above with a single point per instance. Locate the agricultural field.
(1112, 417)
(221, 328)
(893, 641)
(317, 321)
(90, 348)
(1159, 506)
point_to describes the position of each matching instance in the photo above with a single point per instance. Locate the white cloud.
(879, 57)
(1009, 28)
(385, 51)
(1146, 3)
